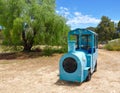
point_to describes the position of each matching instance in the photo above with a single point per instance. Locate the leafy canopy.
(105, 29)
(29, 22)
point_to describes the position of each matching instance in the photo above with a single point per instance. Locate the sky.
(86, 13)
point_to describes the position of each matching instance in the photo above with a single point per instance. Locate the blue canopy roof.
(79, 31)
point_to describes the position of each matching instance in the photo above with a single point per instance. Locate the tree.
(29, 22)
(91, 28)
(118, 27)
(117, 35)
(105, 29)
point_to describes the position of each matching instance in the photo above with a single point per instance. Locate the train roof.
(79, 31)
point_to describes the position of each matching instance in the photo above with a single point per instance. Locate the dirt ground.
(40, 75)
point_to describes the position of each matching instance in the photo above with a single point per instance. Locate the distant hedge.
(113, 45)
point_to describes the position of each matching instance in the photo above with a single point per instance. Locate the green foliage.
(49, 51)
(118, 26)
(91, 28)
(16, 33)
(32, 22)
(105, 29)
(113, 45)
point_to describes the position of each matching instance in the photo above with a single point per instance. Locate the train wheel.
(89, 76)
(95, 69)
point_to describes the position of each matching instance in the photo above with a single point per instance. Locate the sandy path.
(40, 75)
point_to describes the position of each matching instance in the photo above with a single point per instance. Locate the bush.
(49, 50)
(113, 45)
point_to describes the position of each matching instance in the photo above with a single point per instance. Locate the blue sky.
(84, 13)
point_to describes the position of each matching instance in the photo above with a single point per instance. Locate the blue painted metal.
(82, 47)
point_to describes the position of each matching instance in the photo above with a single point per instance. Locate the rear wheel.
(89, 76)
(95, 69)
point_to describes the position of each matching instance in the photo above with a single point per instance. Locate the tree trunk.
(27, 44)
(27, 48)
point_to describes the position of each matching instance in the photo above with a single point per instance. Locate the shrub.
(49, 50)
(113, 45)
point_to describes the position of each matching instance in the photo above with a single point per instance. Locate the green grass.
(48, 51)
(113, 45)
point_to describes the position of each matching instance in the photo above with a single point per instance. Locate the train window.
(96, 41)
(76, 39)
(85, 42)
(73, 38)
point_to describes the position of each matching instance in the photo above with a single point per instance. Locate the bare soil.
(26, 74)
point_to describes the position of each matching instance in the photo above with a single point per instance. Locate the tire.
(89, 76)
(95, 69)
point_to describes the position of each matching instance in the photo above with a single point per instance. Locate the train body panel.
(80, 62)
(72, 75)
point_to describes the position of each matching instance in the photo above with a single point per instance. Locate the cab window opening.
(76, 39)
(85, 42)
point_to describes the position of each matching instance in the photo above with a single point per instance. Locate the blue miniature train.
(81, 60)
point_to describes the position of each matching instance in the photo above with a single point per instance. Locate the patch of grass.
(113, 45)
(48, 51)
(9, 49)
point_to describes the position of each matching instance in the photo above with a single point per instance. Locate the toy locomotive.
(81, 60)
